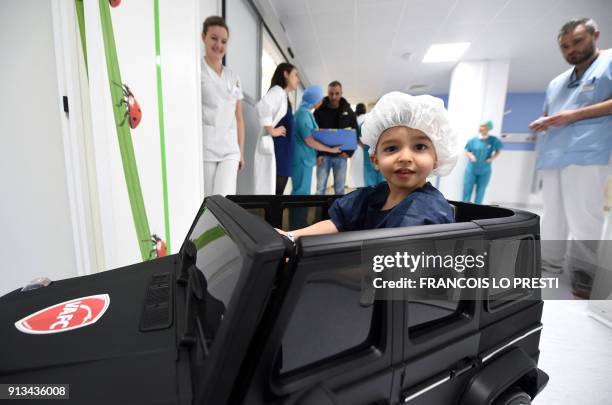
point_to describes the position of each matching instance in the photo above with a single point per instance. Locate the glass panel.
(260, 212)
(330, 318)
(220, 261)
(300, 217)
(270, 58)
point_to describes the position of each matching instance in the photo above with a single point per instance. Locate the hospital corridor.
(306, 201)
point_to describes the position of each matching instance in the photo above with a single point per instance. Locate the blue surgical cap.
(312, 95)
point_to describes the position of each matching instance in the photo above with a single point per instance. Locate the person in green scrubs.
(481, 150)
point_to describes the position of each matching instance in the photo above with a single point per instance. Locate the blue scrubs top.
(304, 125)
(585, 142)
(361, 209)
(483, 149)
(283, 145)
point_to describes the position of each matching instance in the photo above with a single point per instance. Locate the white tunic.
(220, 95)
(356, 177)
(270, 109)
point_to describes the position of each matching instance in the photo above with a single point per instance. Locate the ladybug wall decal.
(159, 247)
(133, 111)
(114, 3)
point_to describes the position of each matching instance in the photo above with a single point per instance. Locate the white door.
(43, 230)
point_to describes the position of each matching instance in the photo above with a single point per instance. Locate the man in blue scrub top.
(481, 150)
(574, 154)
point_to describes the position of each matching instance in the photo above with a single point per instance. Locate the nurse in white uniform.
(271, 109)
(222, 120)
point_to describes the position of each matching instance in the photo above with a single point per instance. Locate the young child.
(409, 138)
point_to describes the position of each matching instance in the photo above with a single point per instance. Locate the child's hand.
(281, 231)
(319, 160)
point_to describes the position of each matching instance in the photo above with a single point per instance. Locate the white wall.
(243, 57)
(243, 46)
(37, 236)
(133, 24)
(512, 180)
(180, 62)
(477, 92)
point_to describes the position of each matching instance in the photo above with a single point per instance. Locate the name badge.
(587, 87)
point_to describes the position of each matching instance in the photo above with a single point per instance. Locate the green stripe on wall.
(160, 113)
(81, 19)
(130, 170)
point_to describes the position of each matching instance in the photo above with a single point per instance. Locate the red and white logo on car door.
(65, 316)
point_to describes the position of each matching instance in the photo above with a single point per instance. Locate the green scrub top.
(483, 149)
(304, 125)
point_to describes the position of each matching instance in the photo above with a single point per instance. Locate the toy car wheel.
(513, 396)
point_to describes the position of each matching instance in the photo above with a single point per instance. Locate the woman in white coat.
(271, 109)
(222, 120)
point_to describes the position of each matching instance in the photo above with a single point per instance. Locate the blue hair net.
(312, 95)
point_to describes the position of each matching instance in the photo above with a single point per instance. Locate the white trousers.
(355, 176)
(220, 177)
(574, 199)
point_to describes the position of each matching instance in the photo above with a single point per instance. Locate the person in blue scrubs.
(410, 138)
(481, 151)
(305, 146)
(573, 155)
(305, 152)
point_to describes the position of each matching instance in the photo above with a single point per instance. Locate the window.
(509, 259)
(220, 262)
(301, 217)
(271, 57)
(333, 317)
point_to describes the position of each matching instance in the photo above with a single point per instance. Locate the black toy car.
(242, 316)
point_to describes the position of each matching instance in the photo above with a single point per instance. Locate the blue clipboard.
(346, 139)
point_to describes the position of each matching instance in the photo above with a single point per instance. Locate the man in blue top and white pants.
(574, 154)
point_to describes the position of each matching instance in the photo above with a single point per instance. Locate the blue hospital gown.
(361, 209)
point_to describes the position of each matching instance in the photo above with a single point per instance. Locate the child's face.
(405, 157)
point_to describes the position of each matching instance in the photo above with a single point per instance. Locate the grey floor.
(575, 348)
(576, 352)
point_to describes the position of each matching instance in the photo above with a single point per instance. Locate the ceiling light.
(445, 52)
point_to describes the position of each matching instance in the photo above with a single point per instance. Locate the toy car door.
(228, 276)
(330, 342)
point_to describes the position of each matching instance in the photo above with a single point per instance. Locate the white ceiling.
(361, 42)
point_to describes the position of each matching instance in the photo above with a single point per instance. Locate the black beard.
(582, 57)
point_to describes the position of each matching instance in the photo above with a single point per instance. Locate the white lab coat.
(356, 177)
(220, 94)
(270, 109)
